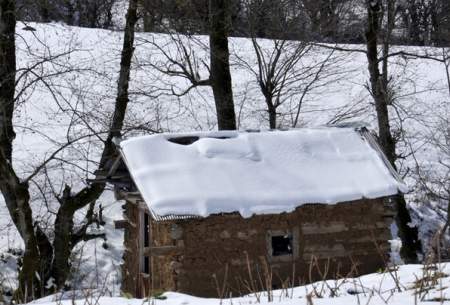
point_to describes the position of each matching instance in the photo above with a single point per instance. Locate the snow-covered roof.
(256, 172)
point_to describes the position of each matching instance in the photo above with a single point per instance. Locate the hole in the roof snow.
(188, 140)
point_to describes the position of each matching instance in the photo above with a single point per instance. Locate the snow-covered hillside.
(69, 98)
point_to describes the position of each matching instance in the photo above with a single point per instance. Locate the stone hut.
(231, 212)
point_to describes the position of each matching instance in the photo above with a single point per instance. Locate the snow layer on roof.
(256, 172)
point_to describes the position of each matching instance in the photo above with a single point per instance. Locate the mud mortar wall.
(347, 237)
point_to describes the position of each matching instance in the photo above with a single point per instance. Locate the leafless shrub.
(221, 288)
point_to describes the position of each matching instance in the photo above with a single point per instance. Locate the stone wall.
(197, 256)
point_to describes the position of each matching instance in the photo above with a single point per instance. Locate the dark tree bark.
(65, 237)
(220, 66)
(8, 75)
(413, 22)
(324, 16)
(70, 12)
(43, 260)
(44, 10)
(14, 191)
(272, 110)
(380, 92)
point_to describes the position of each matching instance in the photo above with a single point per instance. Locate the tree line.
(418, 22)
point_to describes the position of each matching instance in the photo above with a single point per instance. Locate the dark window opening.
(146, 230)
(146, 265)
(282, 245)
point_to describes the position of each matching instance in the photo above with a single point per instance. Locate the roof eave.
(368, 136)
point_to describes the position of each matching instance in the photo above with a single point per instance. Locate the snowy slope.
(410, 284)
(75, 102)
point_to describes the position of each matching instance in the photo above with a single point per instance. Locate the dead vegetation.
(259, 283)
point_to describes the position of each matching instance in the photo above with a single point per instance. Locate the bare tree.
(276, 71)
(327, 17)
(88, 13)
(432, 175)
(220, 23)
(435, 178)
(438, 182)
(180, 60)
(381, 93)
(283, 19)
(13, 189)
(188, 17)
(426, 21)
(285, 69)
(46, 258)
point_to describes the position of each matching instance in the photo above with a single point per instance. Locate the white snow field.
(406, 285)
(70, 98)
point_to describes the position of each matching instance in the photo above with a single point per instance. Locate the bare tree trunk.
(44, 10)
(41, 259)
(379, 89)
(7, 75)
(14, 191)
(220, 65)
(447, 221)
(62, 242)
(148, 16)
(446, 61)
(16, 196)
(272, 110)
(65, 237)
(123, 83)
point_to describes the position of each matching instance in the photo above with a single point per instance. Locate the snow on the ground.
(82, 77)
(404, 285)
(97, 262)
(229, 171)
